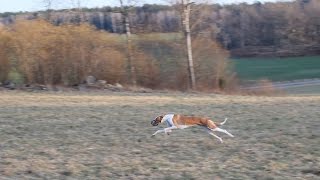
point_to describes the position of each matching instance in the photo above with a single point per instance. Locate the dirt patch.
(105, 136)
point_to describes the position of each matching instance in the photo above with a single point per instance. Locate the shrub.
(212, 66)
(5, 41)
(15, 77)
(66, 54)
(265, 88)
(37, 52)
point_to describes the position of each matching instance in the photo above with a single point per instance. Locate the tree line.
(66, 53)
(61, 47)
(279, 28)
(38, 52)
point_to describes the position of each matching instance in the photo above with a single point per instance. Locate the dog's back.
(193, 120)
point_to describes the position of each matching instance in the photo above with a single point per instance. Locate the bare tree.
(48, 7)
(79, 14)
(185, 11)
(76, 4)
(186, 5)
(126, 22)
(201, 49)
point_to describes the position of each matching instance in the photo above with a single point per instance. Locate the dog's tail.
(222, 123)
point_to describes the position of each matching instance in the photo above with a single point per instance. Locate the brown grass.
(265, 88)
(107, 136)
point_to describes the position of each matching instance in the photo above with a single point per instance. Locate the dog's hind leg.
(220, 139)
(211, 133)
(222, 130)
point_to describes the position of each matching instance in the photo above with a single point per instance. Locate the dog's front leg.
(169, 129)
(165, 130)
(159, 131)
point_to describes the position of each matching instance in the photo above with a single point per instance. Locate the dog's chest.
(183, 126)
(169, 119)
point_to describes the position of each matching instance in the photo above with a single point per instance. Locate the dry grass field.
(107, 136)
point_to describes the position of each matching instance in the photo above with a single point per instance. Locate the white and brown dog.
(176, 121)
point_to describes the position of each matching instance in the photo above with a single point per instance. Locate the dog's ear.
(159, 118)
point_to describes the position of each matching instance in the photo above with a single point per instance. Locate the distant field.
(107, 136)
(278, 69)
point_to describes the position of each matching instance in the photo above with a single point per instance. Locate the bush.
(212, 66)
(37, 52)
(5, 41)
(65, 54)
(15, 77)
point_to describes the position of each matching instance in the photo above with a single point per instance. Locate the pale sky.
(34, 5)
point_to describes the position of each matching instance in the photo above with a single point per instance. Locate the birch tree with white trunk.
(125, 8)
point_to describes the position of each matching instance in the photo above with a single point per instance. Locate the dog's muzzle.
(154, 123)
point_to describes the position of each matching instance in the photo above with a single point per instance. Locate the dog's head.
(156, 121)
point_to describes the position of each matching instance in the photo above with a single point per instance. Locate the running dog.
(176, 121)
